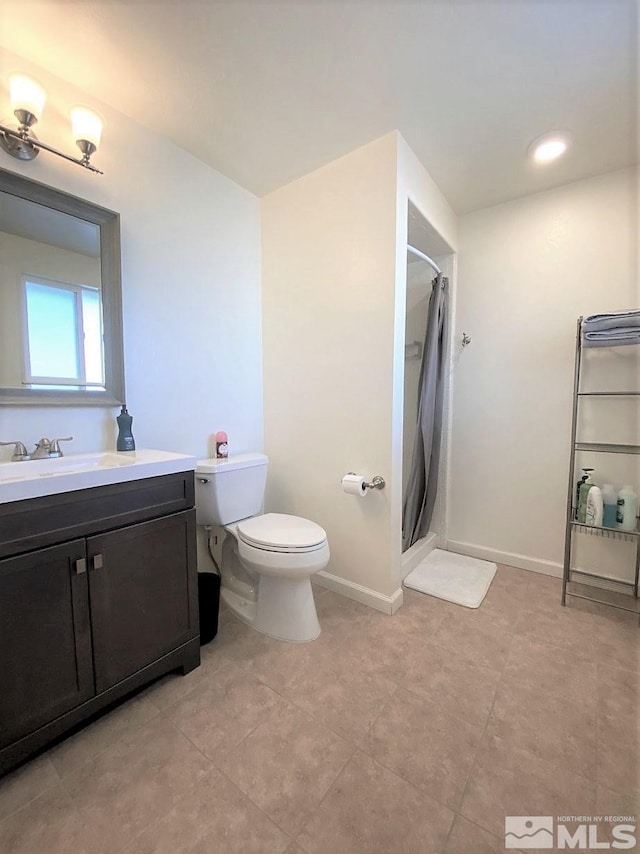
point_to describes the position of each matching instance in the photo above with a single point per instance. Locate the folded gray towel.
(613, 320)
(615, 337)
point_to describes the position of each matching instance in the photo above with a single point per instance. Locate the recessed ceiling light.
(546, 148)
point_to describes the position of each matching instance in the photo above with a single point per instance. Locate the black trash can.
(209, 605)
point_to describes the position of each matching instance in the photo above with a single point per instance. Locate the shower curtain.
(420, 498)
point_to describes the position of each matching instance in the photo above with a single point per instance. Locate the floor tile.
(431, 749)
(540, 665)
(215, 817)
(419, 614)
(26, 783)
(235, 644)
(613, 803)
(470, 640)
(571, 630)
(618, 691)
(468, 838)
(346, 700)
(550, 726)
(221, 712)
(133, 784)
(370, 809)
(385, 647)
(50, 823)
(456, 685)
(500, 609)
(278, 663)
(618, 704)
(169, 689)
(543, 591)
(558, 689)
(506, 780)
(617, 638)
(93, 739)
(339, 616)
(618, 765)
(286, 766)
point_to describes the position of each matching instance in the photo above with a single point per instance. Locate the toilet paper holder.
(376, 482)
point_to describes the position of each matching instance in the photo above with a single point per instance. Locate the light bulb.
(549, 147)
(86, 126)
(27, 95)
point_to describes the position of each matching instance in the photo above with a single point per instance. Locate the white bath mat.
(455, 578)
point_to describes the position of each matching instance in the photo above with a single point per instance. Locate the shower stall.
(429, 265)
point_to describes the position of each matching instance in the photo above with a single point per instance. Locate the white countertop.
(37, 478)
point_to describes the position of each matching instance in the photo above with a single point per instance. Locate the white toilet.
(267, 560)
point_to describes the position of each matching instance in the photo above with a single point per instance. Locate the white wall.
(328, 246)
(334, 293)
(191, 287)
(527, 270)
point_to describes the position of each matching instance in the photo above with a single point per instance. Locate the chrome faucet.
(49, 448)
(20, 453)
(42, 449)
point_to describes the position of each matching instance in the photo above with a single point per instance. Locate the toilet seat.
(281, 533)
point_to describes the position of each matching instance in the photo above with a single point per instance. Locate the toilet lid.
(279, 532)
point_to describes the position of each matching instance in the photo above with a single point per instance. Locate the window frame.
(79, 382)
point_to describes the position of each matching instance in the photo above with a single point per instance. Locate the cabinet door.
(45, 639)
(143, 592)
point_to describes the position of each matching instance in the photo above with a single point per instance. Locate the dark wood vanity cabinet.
(98, 596)
(45, 639)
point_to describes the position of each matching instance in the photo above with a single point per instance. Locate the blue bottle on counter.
(125, 441)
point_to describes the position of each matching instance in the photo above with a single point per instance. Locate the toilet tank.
(231, 489)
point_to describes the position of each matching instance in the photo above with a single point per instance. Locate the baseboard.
(531, 564)
(417, 553)
(364, 595)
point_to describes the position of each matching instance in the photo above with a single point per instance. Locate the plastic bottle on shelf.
(585, 475)
(594, 507)
(610, 508)
(583, 493)
(627, 509)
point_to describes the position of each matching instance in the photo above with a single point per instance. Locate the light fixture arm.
(25, 146)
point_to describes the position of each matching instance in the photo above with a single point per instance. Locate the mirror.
(60, 298)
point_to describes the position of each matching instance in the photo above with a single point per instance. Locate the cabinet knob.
(81, 566)
(97, 561)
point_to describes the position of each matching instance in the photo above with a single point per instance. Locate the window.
(63, 340)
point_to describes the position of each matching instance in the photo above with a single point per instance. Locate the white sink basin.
(36, 478)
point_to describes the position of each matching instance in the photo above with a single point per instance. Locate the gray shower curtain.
(420, 498)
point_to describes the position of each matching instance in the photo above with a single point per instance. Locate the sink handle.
(19, 451)
(55, 450)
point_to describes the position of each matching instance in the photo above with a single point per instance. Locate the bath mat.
(456, 578)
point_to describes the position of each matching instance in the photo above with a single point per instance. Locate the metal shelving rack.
(572, 525)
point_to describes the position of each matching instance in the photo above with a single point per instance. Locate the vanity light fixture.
(549, 147)
(27, 102)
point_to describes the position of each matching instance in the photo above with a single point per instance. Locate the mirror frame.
(111, 286)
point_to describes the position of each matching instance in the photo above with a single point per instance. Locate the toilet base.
(285, 609)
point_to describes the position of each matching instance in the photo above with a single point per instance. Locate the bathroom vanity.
(98, 587)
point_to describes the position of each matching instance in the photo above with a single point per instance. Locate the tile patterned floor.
(413, 734)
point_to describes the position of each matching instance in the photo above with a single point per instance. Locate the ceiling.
(267, 91)
(46, 225)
